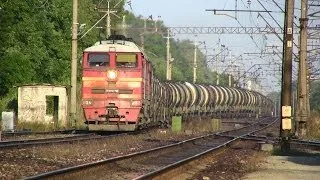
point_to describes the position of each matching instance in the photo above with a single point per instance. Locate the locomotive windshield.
(97, 60)
(126, 60)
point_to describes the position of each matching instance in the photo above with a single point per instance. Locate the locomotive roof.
(114, 45)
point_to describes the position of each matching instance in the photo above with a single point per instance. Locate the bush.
(34, 126)
(313, 125)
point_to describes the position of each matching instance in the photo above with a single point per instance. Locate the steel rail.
(34, 142)
(305, 142)
(75, 169)
(109, 160)
(310, 143)
(27, 132)
(159, 172)
(248, 126)
(26, 142)
(252, 136)
(163, 170)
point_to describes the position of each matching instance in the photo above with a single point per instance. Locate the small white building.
(43, 103)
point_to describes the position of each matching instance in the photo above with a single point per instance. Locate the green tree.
(15, 68)
(41, 32)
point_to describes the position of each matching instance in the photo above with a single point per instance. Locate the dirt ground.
(27, 161)
(248, 163)
(21, 162)
(235, 163)
(288, 168)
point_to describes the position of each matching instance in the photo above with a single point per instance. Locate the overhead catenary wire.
(276, 23)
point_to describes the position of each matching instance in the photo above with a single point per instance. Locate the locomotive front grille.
(97, 91)
(125, 91)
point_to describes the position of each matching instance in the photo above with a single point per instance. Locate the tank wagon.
(120, 92)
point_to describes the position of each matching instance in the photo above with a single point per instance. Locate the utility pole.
(145, 25)
(302, 105)
(142, 38)
(195, 61)
(143, 33)
(230, 81)
(124, 26)
(156, 23)
(148, 32)
(217, 62)
(74, 59)
(108, 23)
(286, 108)
(169, 58)
(231, 64)
(275, 108)
(108, 19)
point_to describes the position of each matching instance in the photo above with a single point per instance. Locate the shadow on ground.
(300, 157)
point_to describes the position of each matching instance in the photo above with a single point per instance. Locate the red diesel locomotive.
(120, 93)
(113, 85)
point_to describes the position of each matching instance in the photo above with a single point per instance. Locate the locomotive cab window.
(126, 60)
(98, 60)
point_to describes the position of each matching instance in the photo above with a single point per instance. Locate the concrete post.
(216, 124)
(302, 105)
(73, 105)
(286, 107)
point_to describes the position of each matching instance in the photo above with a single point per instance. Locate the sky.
(184, 13)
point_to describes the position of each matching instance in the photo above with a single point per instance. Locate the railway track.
(46, 141)
(294, 143)
(29, 132)
(306, 142)
(158, 161)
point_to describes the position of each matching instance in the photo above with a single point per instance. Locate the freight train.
(121, 93)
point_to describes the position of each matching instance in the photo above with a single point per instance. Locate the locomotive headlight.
(112, 74)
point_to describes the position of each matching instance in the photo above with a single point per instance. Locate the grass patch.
(36, 126)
